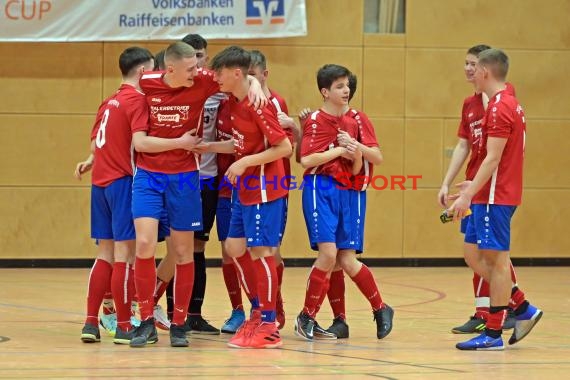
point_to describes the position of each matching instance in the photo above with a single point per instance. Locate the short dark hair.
(159, 60)
(233, 56)
(179, 50)
(352, 84)
(329, 73)
(196, 41)
(497, 61)
(133, 57)
(258, 59)
(475, 50)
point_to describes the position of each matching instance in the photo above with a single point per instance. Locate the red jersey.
(281, 106)
(367, 137)
(118, 117)
(320, 134)
(173, 112)
(255, 131)
(471, 129)
(505, 119)
(224, 132)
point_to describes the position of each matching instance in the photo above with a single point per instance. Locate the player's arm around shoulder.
(150, 144)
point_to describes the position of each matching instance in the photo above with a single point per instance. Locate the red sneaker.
(241, 337)
(266, 335)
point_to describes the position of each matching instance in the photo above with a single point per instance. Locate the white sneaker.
(160, 318)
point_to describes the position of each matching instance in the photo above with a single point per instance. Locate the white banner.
(132, 20)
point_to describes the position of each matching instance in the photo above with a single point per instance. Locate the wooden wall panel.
(424, 234)
(547, 161)
(50, 78)
(329, 23)
(435, 82)
(43, 150)
(538, 227)
(383, 236)
(541, 79)
(423, 151)
(390, 135)
(45, 222)
(521, 24)
(383, 82)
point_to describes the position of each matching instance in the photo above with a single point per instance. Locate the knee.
(145, 246)
(233, 249)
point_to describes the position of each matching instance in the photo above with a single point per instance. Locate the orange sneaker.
(241, 337)
(266, 335)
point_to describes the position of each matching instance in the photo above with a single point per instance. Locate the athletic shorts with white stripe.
(326, 207)
(259, 224)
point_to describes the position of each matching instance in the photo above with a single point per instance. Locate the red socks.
(481, 291)
(160, 289)
(315, 286)
(145, 281)
(336, 294)
(99, 283)
(367, 286)
(248, 277)
(266, 287)
(122, 294)
(232, 285)
(183, 283)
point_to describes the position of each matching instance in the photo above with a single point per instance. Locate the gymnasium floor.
(42, 312)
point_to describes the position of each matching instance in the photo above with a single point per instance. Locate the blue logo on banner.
(259, 12)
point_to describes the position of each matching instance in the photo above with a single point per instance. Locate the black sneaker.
(472, 326)
(510, 321)
(123, 337)
(304, 326)
(178, 336)
(144, 334)
(195, 324)
(322, 334)
(339, 328)
(383, 318)
(90, 334)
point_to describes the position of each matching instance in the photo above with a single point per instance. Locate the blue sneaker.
(109, 323)
(234, 322)
(135, 322)
(482, 343)
(525, 323)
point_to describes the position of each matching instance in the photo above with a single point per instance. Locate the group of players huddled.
(186, 141)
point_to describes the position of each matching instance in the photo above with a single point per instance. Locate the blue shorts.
(259, 224)
(326, 208)
(464, 221)
(284, 223)
(163, 226)
(490, 227)
(111, 216)
(178, 194)
(223, 217)
(357, 216)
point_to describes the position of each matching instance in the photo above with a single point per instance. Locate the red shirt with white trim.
(224, 132)
(505, 119)
(367, 137)
(118, 117)
(255, 131)
(471, 129)
(173, 112)
(320, 132)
